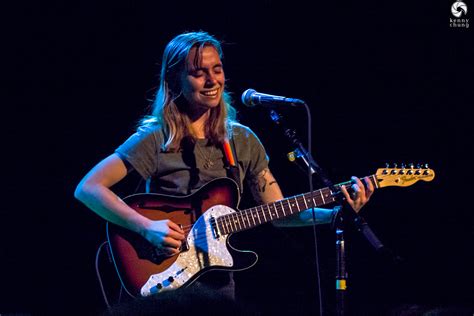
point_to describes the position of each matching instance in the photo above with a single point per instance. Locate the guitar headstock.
(404, 176)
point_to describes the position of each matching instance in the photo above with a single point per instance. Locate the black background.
(386, 82)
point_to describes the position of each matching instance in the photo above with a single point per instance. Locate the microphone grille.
(247, 97)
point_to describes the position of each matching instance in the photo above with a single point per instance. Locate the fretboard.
(252, 217)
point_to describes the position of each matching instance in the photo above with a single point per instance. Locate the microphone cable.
(313, 211)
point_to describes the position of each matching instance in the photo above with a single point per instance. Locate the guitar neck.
(252, 217)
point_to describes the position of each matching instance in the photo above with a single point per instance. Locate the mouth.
(210, 93)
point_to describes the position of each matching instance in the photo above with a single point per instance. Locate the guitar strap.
(232, 165)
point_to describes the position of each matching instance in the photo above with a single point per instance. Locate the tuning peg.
(387, 166)
(403, 165)
(427, 171)
(395, 165)
(411, 165)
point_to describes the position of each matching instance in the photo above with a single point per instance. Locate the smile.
(211, 93)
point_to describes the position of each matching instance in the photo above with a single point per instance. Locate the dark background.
(386, 82)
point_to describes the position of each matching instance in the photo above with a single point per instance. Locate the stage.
(385, 83)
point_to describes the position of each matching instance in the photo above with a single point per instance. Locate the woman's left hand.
(360, 193)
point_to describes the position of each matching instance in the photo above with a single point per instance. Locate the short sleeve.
(251, 153)
(141, 150)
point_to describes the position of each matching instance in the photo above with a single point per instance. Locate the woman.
(178, 148)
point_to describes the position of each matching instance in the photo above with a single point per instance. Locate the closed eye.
(197, 73)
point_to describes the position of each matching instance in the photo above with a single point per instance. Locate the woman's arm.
(265, 189)
(94, 191)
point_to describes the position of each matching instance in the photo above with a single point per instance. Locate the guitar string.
(242, 216)
(259, 210)
(266, 209)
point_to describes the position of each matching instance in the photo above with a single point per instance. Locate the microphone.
(251, 98)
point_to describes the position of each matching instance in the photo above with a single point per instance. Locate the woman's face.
(202, 82)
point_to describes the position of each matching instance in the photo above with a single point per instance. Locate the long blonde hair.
(167, 114)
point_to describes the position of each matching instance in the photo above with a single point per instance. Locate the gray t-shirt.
(185, 171)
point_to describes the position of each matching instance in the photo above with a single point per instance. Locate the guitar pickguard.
(206, 249)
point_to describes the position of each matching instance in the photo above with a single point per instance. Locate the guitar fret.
(248, 219)
(282, 208)
(241, 221)
(232, 222)
(322, 197)
(277, 215)
(227, 224)
(331, 196)
(242, 217)
(258, 216)
(316, 200)
(263, 213)
(220, 226)
(253, 217)
(236, 221)
(289, 204)
(305, 204)
(297, 204)
(298, 200)
(269, 212)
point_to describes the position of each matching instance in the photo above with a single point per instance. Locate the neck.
(198, 124)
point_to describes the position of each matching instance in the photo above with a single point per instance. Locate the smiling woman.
(192, 82)
(184, 149)
(202, 85)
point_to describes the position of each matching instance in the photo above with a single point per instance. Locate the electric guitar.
(208, 218)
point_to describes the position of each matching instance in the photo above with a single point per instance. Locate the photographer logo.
(459, 11)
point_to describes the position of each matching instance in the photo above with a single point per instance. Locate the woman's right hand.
(165, 235)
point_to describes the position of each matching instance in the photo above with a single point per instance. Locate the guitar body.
(144, 270)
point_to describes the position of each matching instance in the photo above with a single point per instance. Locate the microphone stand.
(339, 222)
(314, 169)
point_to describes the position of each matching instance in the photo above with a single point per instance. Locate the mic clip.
(298, 153)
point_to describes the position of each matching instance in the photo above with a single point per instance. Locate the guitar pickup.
(212, 221)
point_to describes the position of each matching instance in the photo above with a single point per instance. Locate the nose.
(211, 78)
